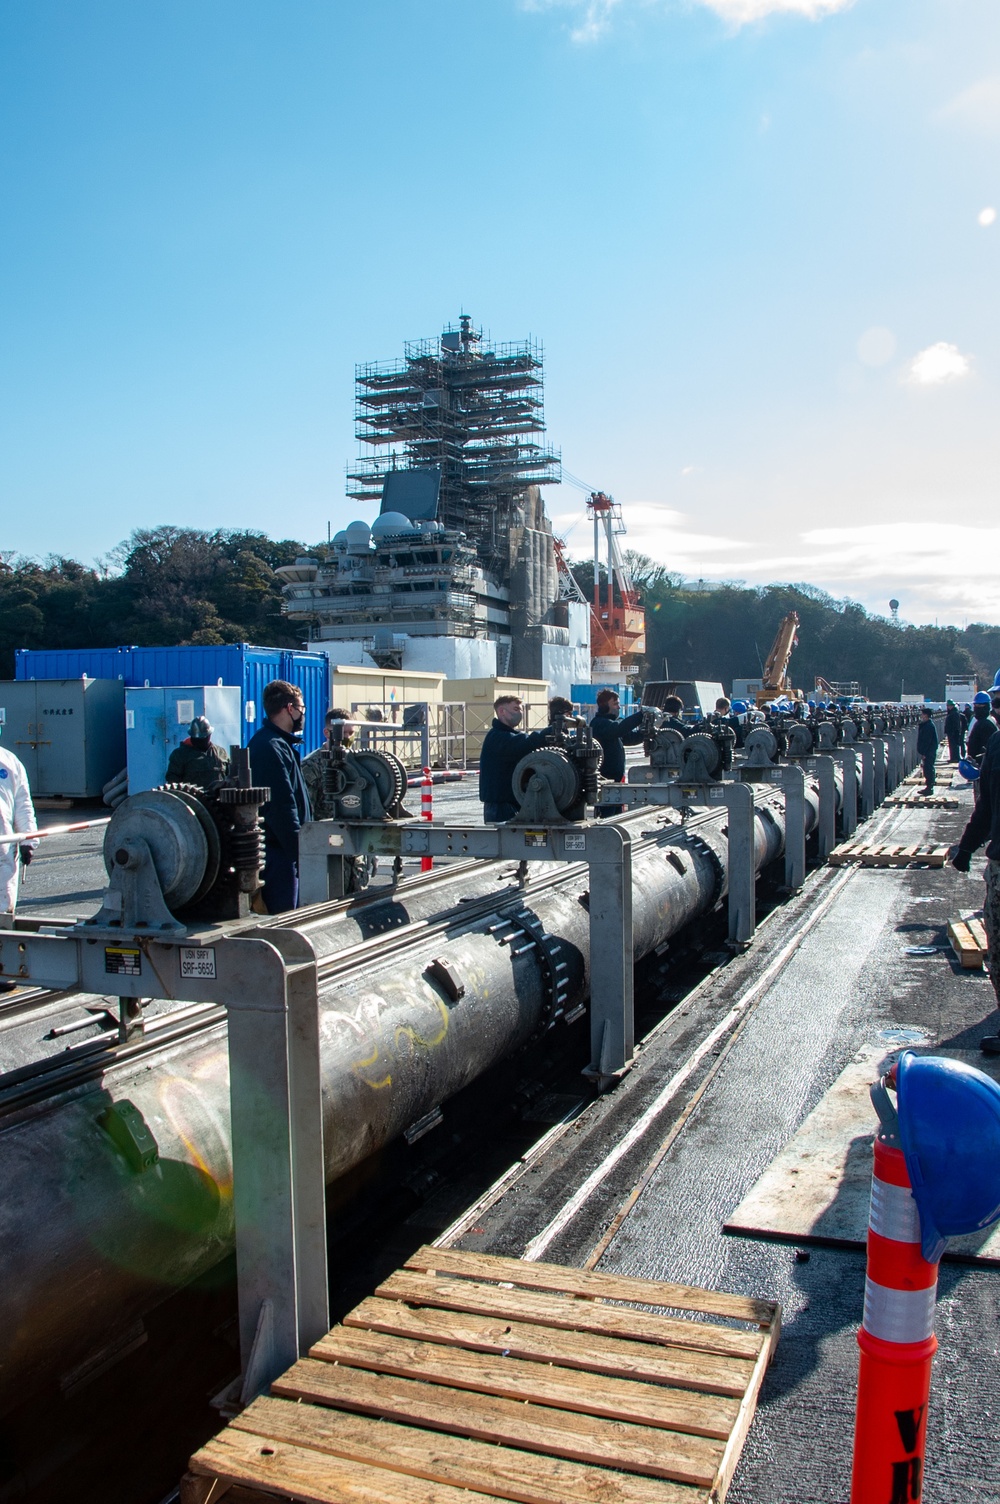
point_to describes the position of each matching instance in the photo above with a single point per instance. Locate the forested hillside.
(180, 585)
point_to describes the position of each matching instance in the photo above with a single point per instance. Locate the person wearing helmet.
(198, 760)
(984, 825)
(982, 728)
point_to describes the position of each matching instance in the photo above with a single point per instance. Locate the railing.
(421, 734)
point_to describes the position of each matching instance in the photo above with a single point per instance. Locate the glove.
(960, 859)
(25, 853)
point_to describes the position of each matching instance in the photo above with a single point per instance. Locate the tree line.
(168, 585)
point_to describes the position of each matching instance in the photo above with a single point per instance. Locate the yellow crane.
(775, 680)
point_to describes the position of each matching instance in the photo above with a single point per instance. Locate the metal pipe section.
(415, 1004)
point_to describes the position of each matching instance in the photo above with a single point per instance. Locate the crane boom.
(775, 676)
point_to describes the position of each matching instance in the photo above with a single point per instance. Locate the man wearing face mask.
(197, 759)
(615, 733)
(274, 764)
(502, 751)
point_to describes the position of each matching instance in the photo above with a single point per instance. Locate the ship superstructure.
(458, 571)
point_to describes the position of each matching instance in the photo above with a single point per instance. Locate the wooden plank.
(969, 955)
(741, 1430)
(568, 1312)
(539, 1384)
(526, 1477)
(314, 1477)
(600, 1355)
(978, 932)
(591, 1284)
(533, 1428)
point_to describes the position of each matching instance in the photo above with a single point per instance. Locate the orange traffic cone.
(897, 1343)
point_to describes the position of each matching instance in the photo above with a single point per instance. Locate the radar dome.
(340, 539)
(391, 523)
(358, 537)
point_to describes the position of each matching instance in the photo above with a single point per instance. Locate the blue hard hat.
(740, 706)
(982, 698)
(949, 1126)
(996, 679)
(968, 769)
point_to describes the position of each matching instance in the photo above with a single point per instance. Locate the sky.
(759, 240)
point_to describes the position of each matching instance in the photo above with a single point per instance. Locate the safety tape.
(898, 1315)
(894, 1212)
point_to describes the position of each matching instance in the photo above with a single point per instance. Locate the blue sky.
(755, 236)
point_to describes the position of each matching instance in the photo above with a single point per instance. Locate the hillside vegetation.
(180, 585)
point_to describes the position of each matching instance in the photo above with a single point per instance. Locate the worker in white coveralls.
(17, 814)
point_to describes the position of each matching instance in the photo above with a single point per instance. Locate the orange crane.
(618, 622)
(775, 680)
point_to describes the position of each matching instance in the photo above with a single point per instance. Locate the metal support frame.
(879, 751)
(849, 803)
(791, 779)
(325, 845)
(279, 1180)
(741, 835)
(267, 982)
(826, 829)
(866, 752)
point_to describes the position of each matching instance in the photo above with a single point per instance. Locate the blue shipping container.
(239, 663)
(71, 663)
(158, 719)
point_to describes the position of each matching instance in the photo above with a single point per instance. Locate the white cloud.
(987, 216)
(925, 565)
(937, 364)
(742, 12)
(876, 347)
(595, 15)
(977, 107)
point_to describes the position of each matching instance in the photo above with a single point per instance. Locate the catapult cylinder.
(408, 1022)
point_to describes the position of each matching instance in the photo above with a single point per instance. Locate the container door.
(20, 725)
(62, 737)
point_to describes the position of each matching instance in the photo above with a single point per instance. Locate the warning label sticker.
(197, 961)
(123, 960)
(536, 838)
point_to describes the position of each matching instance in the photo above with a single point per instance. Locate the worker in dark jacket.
(673, 709)
(982, 728)
(503, 749)
(197, 759)
(984, 825)
(614, 734)
(274, 764)
(927, 746)
(954, 731)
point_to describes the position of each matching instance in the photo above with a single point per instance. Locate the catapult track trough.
(418, 997)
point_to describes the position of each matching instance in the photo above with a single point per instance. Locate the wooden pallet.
(473, 1375)
(871, 855)
(914, 799)
(969, 942)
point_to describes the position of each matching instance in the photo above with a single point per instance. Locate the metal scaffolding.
(467, 410)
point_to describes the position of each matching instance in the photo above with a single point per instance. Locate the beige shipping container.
(384, 687)
(478, 696)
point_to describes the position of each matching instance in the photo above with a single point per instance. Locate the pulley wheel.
(800, 741)
(383, 773)
(177, 840)
(555, 768)
(763, 738)
(697, 742)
